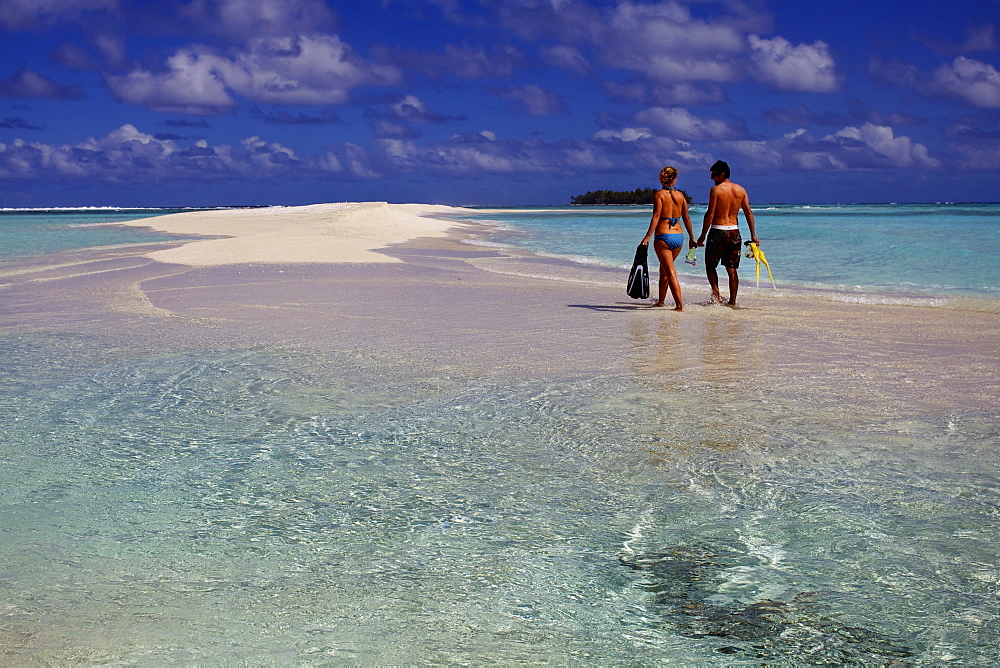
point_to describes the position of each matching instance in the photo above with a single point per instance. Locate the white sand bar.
(319, 233)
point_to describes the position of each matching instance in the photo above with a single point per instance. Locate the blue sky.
(494, 102)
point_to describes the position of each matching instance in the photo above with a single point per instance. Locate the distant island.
(619, 197)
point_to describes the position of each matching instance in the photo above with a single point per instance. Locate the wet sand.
(427, 305)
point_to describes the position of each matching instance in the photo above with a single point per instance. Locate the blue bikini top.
(670, 189)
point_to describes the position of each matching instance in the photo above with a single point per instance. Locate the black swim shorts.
(725, 246)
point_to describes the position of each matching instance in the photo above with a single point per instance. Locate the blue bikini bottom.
(673, 241)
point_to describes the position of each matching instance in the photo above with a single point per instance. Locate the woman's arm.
(657, 207)
(687, 224)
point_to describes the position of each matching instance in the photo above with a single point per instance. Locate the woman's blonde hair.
(668, 174)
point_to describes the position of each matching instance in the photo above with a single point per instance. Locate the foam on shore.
(320, 233)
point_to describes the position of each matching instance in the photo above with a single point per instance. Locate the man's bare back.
(729, 198)
(721, 227)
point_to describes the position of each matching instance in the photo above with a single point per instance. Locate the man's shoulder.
(736, 188)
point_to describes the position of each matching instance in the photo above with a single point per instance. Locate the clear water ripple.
(238, 508)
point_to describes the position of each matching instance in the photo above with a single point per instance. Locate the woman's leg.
(672, 281)
(661, 249)
(668, 274)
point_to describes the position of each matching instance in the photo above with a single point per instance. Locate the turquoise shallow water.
(282, 506)
(28, 233)
(922, 250)
(918, 250)
(202, 503)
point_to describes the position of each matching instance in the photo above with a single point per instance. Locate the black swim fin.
(638, 278)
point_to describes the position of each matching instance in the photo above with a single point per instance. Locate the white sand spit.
(319, 233)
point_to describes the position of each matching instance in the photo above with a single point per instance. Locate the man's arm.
(745, 205)
(709, 215)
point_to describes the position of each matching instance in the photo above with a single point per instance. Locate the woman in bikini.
(669, 208)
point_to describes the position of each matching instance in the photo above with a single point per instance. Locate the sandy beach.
(394, 278)
(347, 232)
(395, 283)
(556, 428)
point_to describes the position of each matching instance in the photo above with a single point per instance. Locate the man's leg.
(734, 285)
(713, 281)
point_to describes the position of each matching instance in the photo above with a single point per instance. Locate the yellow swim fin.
(758, 256)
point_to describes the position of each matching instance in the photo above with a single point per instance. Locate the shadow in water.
(684, 577)
(620, 306)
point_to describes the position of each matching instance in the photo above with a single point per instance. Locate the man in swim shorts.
(721, 227)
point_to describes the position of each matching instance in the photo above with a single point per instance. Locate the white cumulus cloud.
(624, 134)
(898, 151)
(307, 70)
(667, 44)
(806, 67)
(192, 83)
(681, 124)
(128, 155)
(412, 109)
(868, 146)
(969, 80)
(483, 153)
